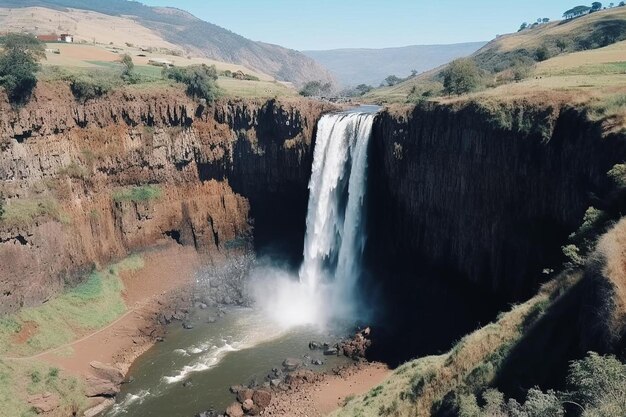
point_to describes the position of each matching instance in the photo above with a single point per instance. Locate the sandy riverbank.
(167, 272)
(321, 398)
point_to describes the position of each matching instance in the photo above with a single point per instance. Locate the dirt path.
(166, 270)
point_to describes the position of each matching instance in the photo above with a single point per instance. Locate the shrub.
(86, 87)
(461, 76)
(138, 194)
(543, 53)
(540, 404)
(316, 89)
(618, 175)
(572, 253)
(598, 384)
(1, 207)
(199, 79)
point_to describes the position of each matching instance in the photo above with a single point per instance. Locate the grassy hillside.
(581, 59)
(371, 66)
(192, 35)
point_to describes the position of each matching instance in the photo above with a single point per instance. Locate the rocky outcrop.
(70, 173)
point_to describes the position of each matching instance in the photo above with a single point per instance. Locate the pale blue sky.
(329, 24)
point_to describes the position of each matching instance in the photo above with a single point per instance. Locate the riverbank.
(161, 285)
(329, 392)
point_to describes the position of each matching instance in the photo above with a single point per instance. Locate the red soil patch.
(27, 331)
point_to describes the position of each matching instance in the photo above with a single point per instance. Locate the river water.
(192, 370)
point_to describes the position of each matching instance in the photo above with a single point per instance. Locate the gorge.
(468, 206)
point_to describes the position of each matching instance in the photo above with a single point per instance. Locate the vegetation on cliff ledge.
(138, 194)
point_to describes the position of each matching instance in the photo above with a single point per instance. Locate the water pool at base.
(192, 370)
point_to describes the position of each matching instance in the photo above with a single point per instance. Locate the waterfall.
(335, 237)
(325, 290)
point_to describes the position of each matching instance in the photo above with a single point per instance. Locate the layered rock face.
(84, 183)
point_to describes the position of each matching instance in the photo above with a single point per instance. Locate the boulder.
(44, 403)
(109, 372)
(317, 362)
(100, 408)
(187, 326)
(236, 388)
(244, 394)
(331, 351)
(316, 345)
(292, 364)
(262, 398)
(247, 405)
(275, 383)
(234, 410)
(98, 387)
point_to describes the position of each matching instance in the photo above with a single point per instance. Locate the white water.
(335, 237)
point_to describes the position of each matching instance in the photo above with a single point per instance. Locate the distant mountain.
(197, 36)
(372, 66)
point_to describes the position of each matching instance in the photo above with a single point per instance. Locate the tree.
(542, 53)
(393, 80)
(595, 6)
(545, 20)
(461, 76)
(363, 89)
(576, 12)
(19, 63)
(128, 70)
(622, 4)
(316, 89)
(523, 27)
(562, 44)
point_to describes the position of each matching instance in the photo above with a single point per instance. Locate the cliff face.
(469, 206)
(70, 173)
(488, 195)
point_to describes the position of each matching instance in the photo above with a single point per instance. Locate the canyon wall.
(470, 205)
(487, 194)
(85, 183)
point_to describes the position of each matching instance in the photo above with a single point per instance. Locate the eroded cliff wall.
(70, 173)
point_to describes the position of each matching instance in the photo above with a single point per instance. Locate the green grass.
(23, 212)
(18, 380)
(89, 306)
(138, 194)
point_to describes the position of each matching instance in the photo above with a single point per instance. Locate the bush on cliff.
(597, 388)
(87, 87)
(19, 65)
(461, 76)
(199, 79)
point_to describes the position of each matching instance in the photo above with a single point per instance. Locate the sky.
(331, 24)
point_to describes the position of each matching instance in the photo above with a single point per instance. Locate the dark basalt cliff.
(469, 208)
(489, 200)
(63, 163)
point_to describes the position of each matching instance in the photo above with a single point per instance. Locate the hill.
(185, 31)
(371, 66)
(583, 55)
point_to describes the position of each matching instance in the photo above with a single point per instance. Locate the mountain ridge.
(353, 66)
(200, 37)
